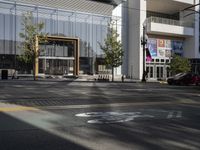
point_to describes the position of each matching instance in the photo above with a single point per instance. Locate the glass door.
(150, 70)
(159, 72)
(56, 66)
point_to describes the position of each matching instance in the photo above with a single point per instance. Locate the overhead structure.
(111, 2)
(88, 6)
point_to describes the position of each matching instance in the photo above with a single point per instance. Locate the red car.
(184, 79)
(195, 79)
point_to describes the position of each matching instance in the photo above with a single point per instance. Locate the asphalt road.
(60, 115)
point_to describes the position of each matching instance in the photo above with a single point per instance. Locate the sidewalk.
(81, 78)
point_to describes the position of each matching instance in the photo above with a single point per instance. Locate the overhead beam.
(188, 8)
(111, 2)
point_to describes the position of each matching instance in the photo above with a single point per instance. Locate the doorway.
(56, 66)
(60, 56)
(159, 72)
(150, 70)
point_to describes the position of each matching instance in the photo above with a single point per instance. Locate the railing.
(169, 21)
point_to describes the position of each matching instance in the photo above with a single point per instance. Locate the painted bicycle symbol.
(120, 117)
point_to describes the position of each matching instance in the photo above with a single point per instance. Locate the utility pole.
(143, 43)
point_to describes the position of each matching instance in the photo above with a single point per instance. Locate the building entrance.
(159, 72)
(150, 70)
(59, 56)
(158, 69)
(56, 66)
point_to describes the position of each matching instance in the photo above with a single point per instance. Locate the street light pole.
(144, 42)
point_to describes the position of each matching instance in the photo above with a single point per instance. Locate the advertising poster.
(164, 48)
(168, 48)
(161, 48)
(161, 52)
(177, 47)
(161, 43)
(168, 53)
(152, 46)
(168, 44)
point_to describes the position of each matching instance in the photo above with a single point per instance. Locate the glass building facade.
(90, 29)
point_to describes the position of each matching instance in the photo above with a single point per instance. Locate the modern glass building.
(168, 30)
(66, 22)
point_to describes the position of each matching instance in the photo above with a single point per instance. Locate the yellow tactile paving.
(17, 108)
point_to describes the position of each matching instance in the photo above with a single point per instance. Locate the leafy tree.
(179, 64)
(113, 50)
(32, 33)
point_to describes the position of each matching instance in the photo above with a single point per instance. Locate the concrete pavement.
(60, 115)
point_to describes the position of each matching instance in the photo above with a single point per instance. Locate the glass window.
(90, 29)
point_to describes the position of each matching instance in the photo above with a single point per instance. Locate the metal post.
(144, 59)
(93, 55)
(15, 46)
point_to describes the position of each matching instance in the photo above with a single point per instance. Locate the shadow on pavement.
(152, 134)
(18, 135)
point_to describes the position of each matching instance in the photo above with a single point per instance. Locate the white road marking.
(170, 115)
(179, 114)
(119, 117)
(112, 117)
(174, 114)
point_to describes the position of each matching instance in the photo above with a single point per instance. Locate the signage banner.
(164, 48)
(177, 47)
(152, 46)
(161, 52)
(168, 44)
(161, 43)
(168, 53)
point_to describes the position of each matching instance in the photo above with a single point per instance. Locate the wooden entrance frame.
(61, 38)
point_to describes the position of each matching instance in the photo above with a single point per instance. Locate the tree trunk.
(34, 78)
(34, 61)
(112, 74)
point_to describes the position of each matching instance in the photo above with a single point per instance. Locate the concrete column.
(197, 51)
(136, 17)
(117, 16)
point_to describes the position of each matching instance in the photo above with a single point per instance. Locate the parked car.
(196, 79)
(171, 80)
(184, 79)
